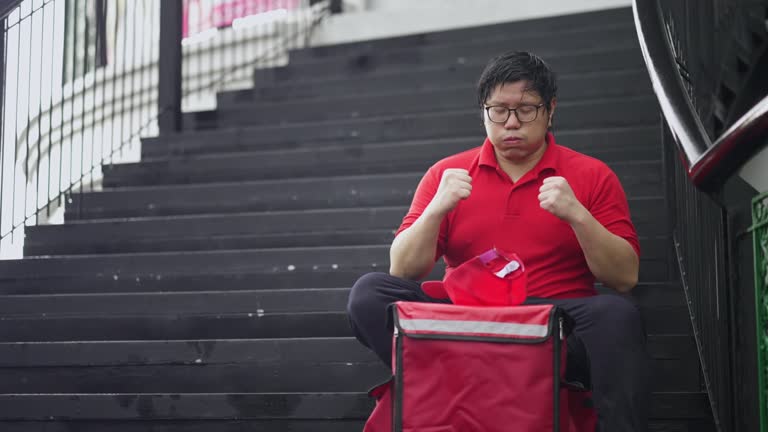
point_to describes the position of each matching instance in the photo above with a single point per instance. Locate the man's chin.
(513, 153)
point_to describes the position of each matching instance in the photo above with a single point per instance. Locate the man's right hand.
(455, 185)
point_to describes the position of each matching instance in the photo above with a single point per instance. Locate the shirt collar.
(549, 160)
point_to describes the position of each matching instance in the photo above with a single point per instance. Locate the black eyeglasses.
(524, 113)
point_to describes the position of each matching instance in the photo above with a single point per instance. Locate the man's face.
(514, 140)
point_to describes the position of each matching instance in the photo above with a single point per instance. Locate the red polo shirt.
(505, 214)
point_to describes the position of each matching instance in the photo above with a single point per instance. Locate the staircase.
(204, 288)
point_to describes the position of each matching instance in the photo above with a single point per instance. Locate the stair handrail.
(708, 164)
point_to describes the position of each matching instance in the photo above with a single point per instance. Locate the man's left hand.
(557, 197)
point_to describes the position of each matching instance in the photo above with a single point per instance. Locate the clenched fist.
(557, 197)
(455, 185)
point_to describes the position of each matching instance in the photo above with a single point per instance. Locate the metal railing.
(686, 94)
(84, 80)
(694, 52)
(760, 245)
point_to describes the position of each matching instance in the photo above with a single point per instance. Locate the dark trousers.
(609, 326)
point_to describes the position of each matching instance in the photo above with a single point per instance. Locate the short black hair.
(518, 66)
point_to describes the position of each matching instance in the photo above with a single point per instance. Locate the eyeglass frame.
(509, 113)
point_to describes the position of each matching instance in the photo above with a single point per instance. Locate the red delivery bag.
(467, 368)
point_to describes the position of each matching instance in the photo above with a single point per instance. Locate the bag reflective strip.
(475, 327)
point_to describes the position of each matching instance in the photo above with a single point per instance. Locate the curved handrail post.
(691, 137)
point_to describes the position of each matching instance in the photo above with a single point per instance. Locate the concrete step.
(491, 41)
(587, 53)
(615, 111)
(315, 407)
(157, 235)
(346, 105)
(196, 263)
(553, 26)
(210, 231)
(286, 194)
(207, 263)
(239, 377)
(196, 425)
(302, 375)
(136, 242)
(228, 351)
(624, 113)
(256, 301)
(273, 278)
(659, 320)
(625, 157)
(704, 424)
(574, 86)
(357, 134)
(127, 362)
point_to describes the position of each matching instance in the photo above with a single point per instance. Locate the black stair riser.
(584, 58)
(570, 87)
(248, 225)
(282, 277)
(234, 378)
(208, 242)
(545, 25)
(268, 425)
(196, 406)
(673, 405)
(247, 378)
(228, 302)
(324, 277)
(227, 224)
(614, 112)
(241, 168)
(205, 262)
(658, 320)
(239, 140)
(246, 351)
(86, 243)
(460, 84)
(550, 27)
(315, 425)
(215, 352)
(304, 194)
(213, 262)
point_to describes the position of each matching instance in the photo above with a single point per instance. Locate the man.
(565, 214)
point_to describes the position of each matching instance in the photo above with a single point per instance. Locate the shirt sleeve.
(421, 198)
(608, 204)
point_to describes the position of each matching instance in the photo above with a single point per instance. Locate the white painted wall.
(755, 172)
(374, 19)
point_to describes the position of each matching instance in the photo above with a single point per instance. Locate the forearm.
(412, 254)
(610, 258)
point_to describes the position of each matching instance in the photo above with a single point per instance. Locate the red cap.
(494, 278)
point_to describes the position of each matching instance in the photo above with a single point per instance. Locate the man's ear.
(552, 106)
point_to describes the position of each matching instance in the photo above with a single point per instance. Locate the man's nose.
(512, 122)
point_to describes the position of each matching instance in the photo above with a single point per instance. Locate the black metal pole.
(50, 121)
(83, 73)
(337, 6)
(169, 97)
(3, 23)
